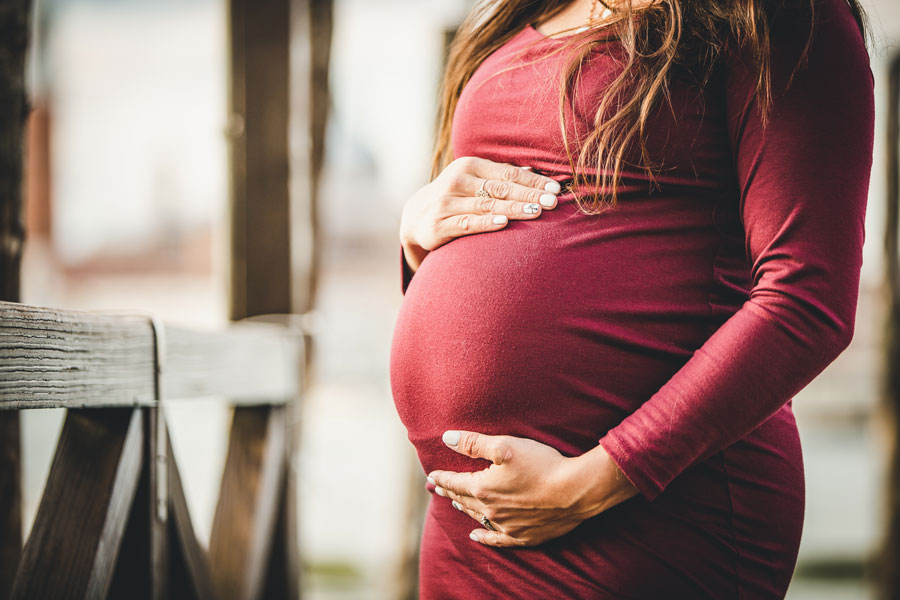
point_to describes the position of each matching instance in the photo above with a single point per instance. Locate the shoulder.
(819, 50)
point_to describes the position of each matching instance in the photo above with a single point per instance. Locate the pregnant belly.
(553, 329)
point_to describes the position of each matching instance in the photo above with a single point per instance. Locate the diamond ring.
(483, 193)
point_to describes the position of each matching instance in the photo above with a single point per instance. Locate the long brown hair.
(659, 40)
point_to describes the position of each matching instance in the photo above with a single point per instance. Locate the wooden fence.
(113, 521)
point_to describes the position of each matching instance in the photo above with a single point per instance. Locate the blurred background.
(127, 199)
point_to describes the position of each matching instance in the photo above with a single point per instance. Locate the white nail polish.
(457, 505)
(451, 438)
(499, 219)
(440, 492)
(473, 537)
(430, 480)
(548, 199)
(553, 187)
(527, 168)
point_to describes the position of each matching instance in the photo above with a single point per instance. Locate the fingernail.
(451, 438)
(530, 209)
(528, 168)
(430, 480)
(473, 537)
(457, 505)
(499, 219)
(553, 187)
(548, 199)
(440, 491)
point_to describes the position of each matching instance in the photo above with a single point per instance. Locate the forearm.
(740, 377)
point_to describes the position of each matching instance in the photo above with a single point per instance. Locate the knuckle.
(464, 222)
(487, 205)
(457, 180)
(477, 491)
(509, 173)
(468, 443)
(501, 189)
(464, 164)
(443, 202)
(505, 452)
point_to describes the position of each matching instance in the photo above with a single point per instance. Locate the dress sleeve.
(406, 272)
(803, 181)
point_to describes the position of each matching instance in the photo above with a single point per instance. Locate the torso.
(557, 328)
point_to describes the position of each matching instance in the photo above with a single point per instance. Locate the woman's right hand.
(447, 207)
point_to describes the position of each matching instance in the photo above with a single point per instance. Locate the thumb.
(494, 448)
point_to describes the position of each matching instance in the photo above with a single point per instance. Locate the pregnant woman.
(641, 239)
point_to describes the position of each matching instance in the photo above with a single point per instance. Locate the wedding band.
(487, 523)
(483, 193)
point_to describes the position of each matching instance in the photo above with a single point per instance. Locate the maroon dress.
(674, 330)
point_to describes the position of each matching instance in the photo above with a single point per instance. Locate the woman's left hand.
(531, 493)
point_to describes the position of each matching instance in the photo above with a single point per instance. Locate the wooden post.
(252, 486)
(15, 18)
(259, 155)
(279, 54)
(890, 559)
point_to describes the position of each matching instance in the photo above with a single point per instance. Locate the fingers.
(466, 185)
(450, 484)
(513, 209)
(458, 505)
(495, 448)
(505, 190)
(504, 172)
(495, 538)
(460, 225)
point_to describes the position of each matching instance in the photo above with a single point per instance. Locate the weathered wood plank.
(75, 359)
(72, 359)
(75, 540)
(252, 488)
(251, 363)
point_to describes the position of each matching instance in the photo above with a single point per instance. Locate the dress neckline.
(532, 30)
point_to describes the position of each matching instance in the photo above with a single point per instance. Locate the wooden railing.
(113, 521)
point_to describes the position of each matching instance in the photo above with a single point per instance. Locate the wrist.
(413, 254)
(596, 483)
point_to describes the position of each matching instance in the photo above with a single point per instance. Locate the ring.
(487, 523)
(483, 193)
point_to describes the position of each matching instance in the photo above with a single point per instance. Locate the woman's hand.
(531, 493)
(447, 207)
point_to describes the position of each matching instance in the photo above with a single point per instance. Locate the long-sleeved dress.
(674, 329)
